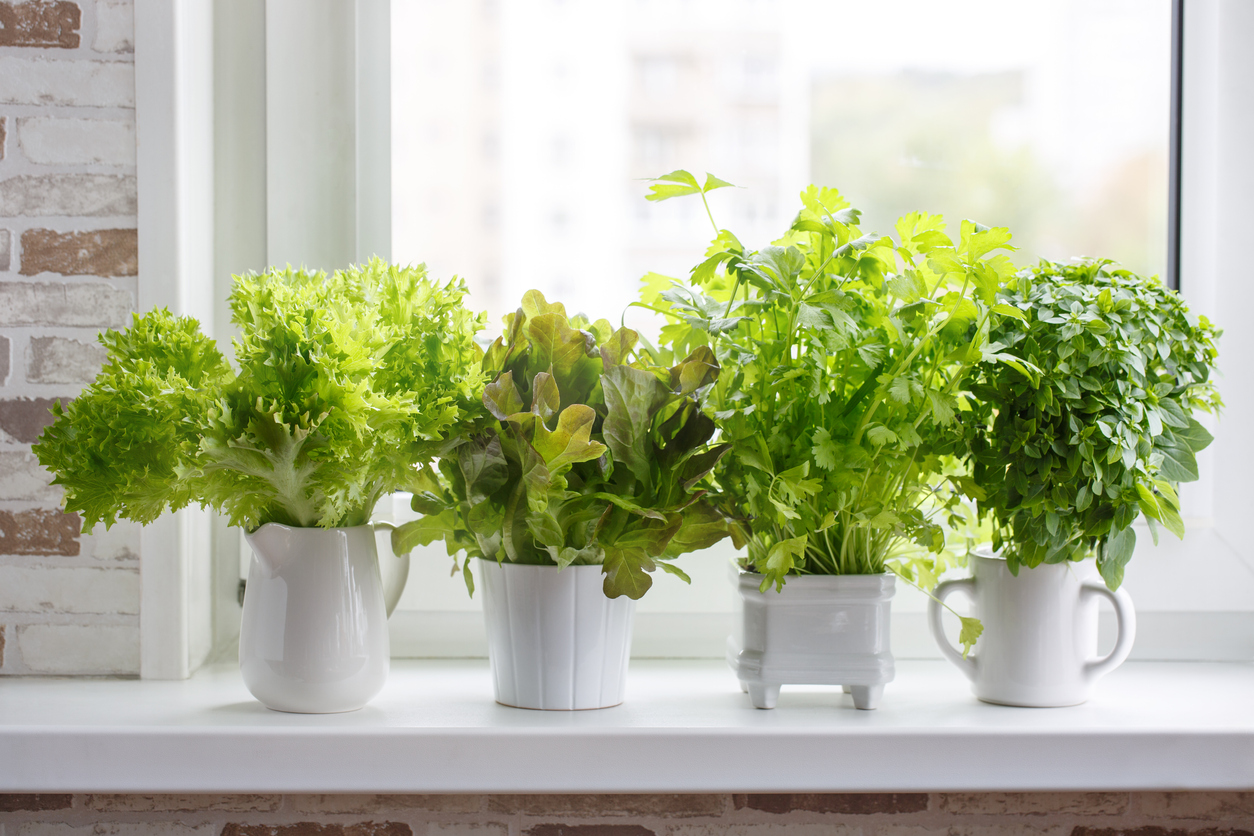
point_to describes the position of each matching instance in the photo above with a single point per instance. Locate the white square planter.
(818, 630)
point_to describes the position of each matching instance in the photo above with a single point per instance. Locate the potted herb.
(844, 355)
(578, 480)
(1062, 463)
(341, 386)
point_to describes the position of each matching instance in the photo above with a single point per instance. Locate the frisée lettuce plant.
(342, 386)
(843, 358)
(586, 452)
(1064, 463)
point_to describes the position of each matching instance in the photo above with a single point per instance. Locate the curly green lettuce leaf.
(345, 385)
(117, 450)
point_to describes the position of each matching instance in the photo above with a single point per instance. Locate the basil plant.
(844, 358)
(341, 386)
(1064, 462)
(586, 452)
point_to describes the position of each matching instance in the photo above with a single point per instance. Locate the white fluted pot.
(314, 633)
(554, 640)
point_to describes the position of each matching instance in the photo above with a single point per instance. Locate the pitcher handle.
(943, 590)
(393, 582)
(1125, 619)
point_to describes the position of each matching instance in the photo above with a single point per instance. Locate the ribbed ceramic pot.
(554, 640)
(314, 633)
(1039, 645)
(817, 630)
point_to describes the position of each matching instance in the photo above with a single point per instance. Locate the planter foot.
(866, 697)
(848, 689)
(763, 695)
(744, 686)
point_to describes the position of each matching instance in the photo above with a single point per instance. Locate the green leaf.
(566, 353)
(501, 397)
(970, 633)
(632, 397)
(664, 187)
(1009, 310)
(712, 183)
(699, 465)
(546, 400)
(879, 435)
(674, 570)
(571, 441)
(422, 532)
(651, 287)
(1114, 554)
(547, 531)
(534, 304)
(625, 572)
(826, 453)
(617, 349)
(701, 526)
(1179, 463)
(1196, 437)
(629, 558)
(977, 241)
(483, 466)
(780, 560)
(627, 505)
(696, 371)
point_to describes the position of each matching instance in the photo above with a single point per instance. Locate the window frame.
(199, 100)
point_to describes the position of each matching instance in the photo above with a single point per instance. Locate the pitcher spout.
(269, 545)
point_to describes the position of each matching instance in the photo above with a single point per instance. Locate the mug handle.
(393, 582)
(1125, 618)
(943, 589)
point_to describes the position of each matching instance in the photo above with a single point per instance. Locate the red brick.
(25, 418)
(40, 531)
(847, 803)
(3, 134)
(104, 252)
(24, 802)
(308, 828)
(588, 830)
(2, 628)
(40, 23)
(595, 806)
(1158, 831)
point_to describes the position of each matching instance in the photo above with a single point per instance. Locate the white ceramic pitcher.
(314, 634)
(1039, 646)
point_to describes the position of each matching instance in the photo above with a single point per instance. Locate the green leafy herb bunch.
(1063, 464)
(586, 452)
(342, 386)
(844, 356)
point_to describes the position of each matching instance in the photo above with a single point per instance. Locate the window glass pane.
(523, 128)
(523, 131)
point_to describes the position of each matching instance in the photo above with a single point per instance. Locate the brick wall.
(906, 814)
(69, 603)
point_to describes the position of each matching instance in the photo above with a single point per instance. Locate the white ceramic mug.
(1039, 646)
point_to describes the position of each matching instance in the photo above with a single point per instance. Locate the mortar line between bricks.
(60, 55)
(67, 111)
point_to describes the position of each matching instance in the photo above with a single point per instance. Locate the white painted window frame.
(289, 135)
(263, 138)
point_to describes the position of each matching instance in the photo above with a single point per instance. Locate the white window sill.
(684, 728)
